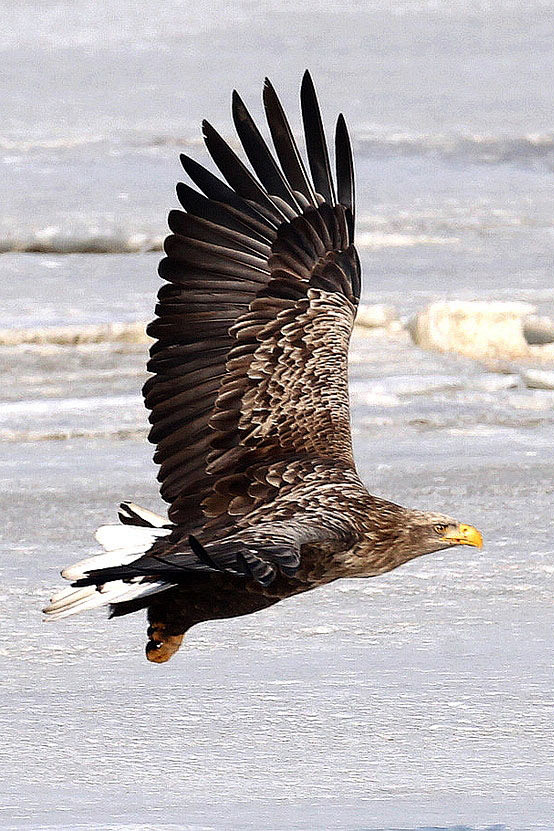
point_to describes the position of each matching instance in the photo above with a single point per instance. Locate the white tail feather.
(90, 597)
(120, 537)
(122, 545)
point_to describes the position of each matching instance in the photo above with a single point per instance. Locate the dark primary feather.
(186, 224)
(237, 174)
(259, 155)
(224, 214)
(316, 144)
(202, 554)
(285, 145)
(217, 190)
(345, 172)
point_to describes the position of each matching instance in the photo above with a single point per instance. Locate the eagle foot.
(161, 646)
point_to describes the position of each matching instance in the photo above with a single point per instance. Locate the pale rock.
(493, 382)
(538, 379)
(538, 330)
(477, 329)
(375, 316)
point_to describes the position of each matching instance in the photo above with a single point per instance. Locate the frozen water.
(420, 700)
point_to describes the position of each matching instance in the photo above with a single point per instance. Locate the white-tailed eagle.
(248, 398)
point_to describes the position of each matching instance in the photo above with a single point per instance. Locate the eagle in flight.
(248, 399)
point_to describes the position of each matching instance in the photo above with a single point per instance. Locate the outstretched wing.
(254, 552)
(254, 320)
(308, 510)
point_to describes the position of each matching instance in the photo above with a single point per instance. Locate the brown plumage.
(249, 399)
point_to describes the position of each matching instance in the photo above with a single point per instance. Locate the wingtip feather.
(316, 143)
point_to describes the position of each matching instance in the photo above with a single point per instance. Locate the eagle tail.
(123, 544)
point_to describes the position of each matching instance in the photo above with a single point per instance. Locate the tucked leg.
(170, 616)
(214, 597)
(161, 645)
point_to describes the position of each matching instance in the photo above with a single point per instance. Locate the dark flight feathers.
(248, 400)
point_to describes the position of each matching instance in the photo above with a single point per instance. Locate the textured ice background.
(419, 700)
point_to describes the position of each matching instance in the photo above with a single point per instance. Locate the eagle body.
(248, 399)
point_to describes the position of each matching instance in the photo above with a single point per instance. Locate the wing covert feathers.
(253, 322)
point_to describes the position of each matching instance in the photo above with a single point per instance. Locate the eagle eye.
(441, 528)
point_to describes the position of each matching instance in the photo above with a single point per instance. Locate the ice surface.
(419, 701)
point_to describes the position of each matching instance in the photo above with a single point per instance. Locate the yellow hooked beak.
(464, 535)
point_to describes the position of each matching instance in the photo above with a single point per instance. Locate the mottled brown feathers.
(253, 327)
(248, 398)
